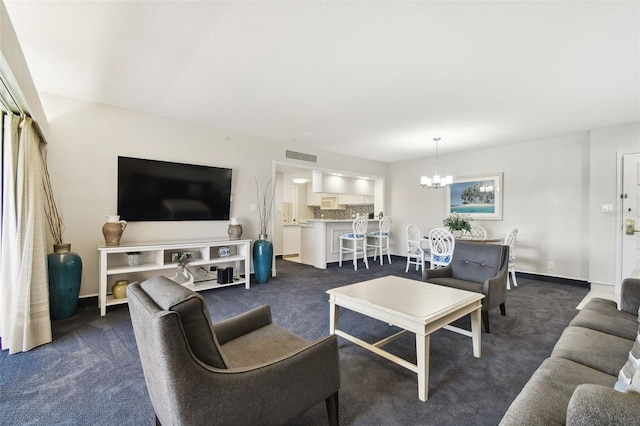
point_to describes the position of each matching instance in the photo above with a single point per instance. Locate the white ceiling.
(377, 80)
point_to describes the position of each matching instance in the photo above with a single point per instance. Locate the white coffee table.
(416, 307)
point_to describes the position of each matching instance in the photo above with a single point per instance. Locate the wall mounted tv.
(150, 190)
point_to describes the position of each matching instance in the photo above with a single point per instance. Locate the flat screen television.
(150, 190)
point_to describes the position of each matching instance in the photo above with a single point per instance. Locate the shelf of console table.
(159, 257)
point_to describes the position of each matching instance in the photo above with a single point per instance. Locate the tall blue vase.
(65, 274)
(262, 259)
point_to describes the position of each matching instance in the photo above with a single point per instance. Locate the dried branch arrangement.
(265, 205)
(54, 218)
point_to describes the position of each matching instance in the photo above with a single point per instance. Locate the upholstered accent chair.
(477, 267)
(244, 370)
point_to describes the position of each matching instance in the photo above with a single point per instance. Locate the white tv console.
(113, 264)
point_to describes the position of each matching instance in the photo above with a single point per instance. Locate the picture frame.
(478, 196)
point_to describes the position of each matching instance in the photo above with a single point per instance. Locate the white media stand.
(113, 264)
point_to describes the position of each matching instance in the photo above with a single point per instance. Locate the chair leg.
(355, 254)
(332, 410)
(513, 278)
(340, 261)
(408, 263)
(503, 309)
(364, 254)
(485, 320)
(388, 252)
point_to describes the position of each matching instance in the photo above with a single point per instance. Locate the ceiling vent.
(302, 156)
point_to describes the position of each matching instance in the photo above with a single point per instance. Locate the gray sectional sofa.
(575, 385)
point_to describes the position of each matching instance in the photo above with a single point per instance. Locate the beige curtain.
(24, 291)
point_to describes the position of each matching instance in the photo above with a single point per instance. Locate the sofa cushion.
(544, 399)
(601, 305)
(608, 319)
(601, 351)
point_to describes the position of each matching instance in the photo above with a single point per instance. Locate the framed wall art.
(478, 196)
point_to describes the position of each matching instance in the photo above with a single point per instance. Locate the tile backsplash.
(349, 212)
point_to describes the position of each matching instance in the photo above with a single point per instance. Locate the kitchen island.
(320, 240)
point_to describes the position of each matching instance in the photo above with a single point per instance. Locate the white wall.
(85, 140)
(553, 191)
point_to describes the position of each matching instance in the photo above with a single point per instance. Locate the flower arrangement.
(458, 222)
(265, 204)
(184, 259)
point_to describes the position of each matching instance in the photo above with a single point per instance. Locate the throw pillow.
(634, 387)
(630, 369)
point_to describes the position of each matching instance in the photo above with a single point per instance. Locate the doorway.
(630, 206)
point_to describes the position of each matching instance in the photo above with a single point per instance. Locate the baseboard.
(552, 279)
(603, 288)
(88, 301)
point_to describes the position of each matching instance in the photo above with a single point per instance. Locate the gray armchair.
(477, 267)
(244, 370)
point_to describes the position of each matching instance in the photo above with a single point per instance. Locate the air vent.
(302, 156)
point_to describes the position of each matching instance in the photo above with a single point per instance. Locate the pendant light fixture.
(436, 181)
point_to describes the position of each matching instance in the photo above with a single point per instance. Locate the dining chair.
(358, 239)
(510, 240)
(381, 239)
(416, 255)
(441, 245)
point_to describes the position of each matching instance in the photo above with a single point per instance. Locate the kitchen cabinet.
(314, 199)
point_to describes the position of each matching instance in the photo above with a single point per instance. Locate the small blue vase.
(262, 259)
(65, 274)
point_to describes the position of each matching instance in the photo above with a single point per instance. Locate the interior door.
(631, 215)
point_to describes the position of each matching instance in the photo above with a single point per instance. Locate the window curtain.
(24, 290)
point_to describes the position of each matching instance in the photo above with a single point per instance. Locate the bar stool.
(381, 239)
(359, 235)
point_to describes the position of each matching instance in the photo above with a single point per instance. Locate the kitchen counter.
(320, 240)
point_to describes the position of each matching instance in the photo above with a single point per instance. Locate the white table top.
(412, 298)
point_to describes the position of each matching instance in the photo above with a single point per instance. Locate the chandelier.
(436, 181)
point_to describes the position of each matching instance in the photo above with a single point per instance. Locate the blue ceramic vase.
(262, 259)
(65, 274)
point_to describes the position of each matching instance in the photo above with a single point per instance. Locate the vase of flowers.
(458, 223)
(263, 248)
(184, 276)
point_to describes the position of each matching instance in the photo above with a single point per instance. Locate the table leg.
(476, 331)
(422, 355)
(333, 317)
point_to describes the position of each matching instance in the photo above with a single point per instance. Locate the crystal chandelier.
(436, 181)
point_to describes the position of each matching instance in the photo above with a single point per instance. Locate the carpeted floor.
(91, 374)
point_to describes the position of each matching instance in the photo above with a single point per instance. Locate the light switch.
(607, 208)
(253, 207)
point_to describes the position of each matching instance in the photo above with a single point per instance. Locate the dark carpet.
(91, 373)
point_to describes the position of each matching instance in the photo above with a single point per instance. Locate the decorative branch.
(54, 217)
(265, 204)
